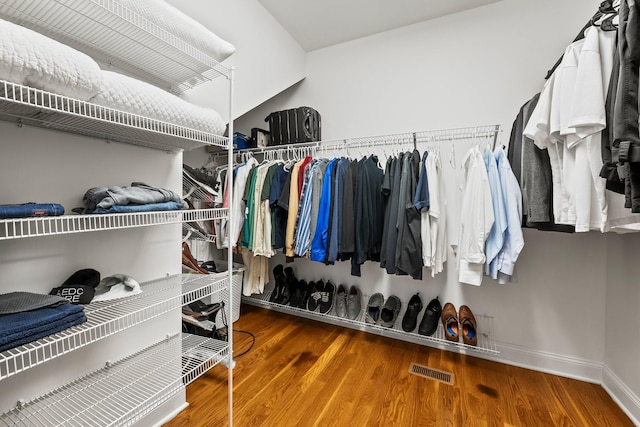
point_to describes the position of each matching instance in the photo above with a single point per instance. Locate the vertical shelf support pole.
(230, 249)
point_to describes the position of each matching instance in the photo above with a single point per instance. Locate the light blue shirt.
(513, 238)
(495, 241)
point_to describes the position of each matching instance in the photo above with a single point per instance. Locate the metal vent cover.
(434, 374)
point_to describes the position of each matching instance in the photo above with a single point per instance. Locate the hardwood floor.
(306, 373)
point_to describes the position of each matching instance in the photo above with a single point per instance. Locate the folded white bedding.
(134, 96)
(184, 27)
(29, 58)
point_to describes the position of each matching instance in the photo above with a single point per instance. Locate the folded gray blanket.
(137, 194)
(17, 302)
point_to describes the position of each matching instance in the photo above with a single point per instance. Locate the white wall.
(621, 375)
(471, 68)
(267, 59)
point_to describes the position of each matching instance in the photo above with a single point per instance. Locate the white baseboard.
(172, 415)
(626, 399)
(572, 367)
(551, 363)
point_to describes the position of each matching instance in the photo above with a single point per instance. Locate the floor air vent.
(434, 374)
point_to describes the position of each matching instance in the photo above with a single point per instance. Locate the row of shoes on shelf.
(452, 321)
(456, 325)
(322, 297)
(314, 296)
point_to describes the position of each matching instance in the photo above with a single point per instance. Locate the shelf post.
(230, 249)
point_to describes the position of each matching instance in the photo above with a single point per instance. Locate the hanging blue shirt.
(495, 241)
(319, 244)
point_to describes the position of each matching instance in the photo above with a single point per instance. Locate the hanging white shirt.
(476, 218)
(437, 214)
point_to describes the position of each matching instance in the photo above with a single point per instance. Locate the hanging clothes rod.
(465, 133)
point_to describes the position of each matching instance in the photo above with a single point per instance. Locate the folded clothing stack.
(27, 210)
(139, 197)
(26, 317)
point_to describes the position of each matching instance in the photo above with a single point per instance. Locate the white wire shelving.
(485, 345)
(124, 392)
(18, 228)
(107, 318)
(113, 34)
(190, 232)
(25, 105)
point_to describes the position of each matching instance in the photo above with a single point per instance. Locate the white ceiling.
(315, 24)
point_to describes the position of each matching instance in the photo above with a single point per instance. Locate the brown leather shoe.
(189, 260)
(469, 326)
(450, 322)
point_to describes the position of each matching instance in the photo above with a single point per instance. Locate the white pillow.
(184, 27)
(134, 96)
(29, 58)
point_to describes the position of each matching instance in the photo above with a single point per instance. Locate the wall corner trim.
(626, 399)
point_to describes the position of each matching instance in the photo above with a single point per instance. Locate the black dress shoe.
(410, 319)
(431, 318)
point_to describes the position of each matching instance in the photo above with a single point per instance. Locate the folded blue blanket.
(28, 322)
(150, 207)
(43, 331)
(31, 209)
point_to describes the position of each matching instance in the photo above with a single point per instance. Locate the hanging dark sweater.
(409, 242)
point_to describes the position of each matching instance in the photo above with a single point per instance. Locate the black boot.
(278, 275)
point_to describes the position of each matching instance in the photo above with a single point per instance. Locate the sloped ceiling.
(315, 24)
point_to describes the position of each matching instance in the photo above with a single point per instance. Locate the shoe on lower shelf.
(374, 306)
(315, 295)
(278, 276)
(307, 289)
(410, 318)
(431, 318)
(326, 298)
(390, 311)
(469, 326)
(354, 305)
(341, 302)
(450, 322)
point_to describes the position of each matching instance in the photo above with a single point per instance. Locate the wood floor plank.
(305, 373)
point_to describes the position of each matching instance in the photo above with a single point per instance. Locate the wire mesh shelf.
(18, 228)
(198, 286)
(485, 345)
(114, 34)
(26, 105)
(123, 392)
(199, 354)
(196, 190)
(106, 318)
(190, 232)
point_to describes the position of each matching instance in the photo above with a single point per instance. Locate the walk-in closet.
(299, 213)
